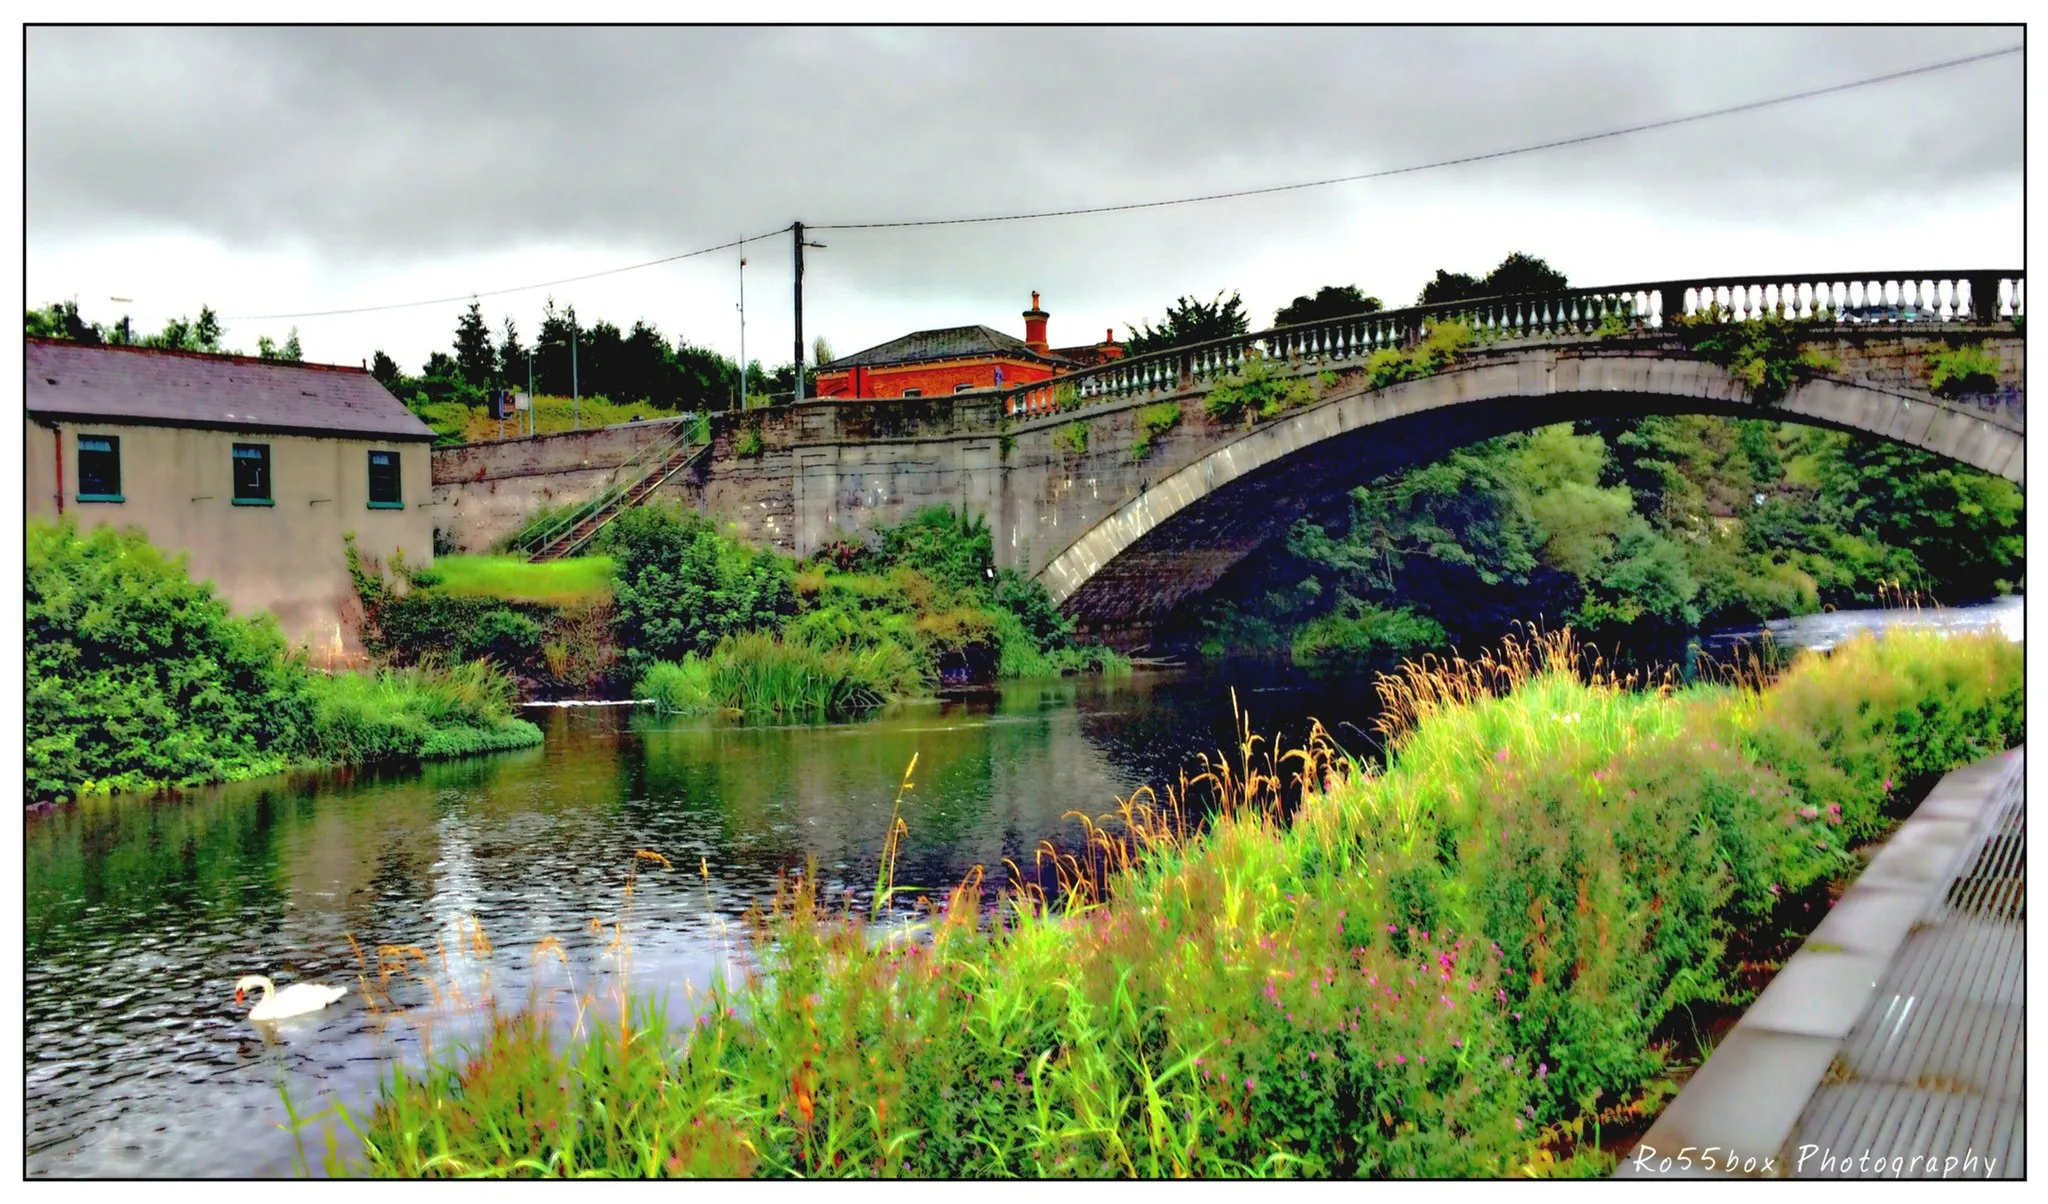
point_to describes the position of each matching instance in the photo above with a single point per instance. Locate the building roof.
(225, 392)
(951, 343)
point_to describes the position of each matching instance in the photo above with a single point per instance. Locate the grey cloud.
(367, 146)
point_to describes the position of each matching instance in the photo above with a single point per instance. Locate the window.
(99, 468)
(252, 474)
(963, 388)
(385, 493)
(913, 392)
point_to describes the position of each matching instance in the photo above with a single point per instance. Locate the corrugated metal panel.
(1934, 1070)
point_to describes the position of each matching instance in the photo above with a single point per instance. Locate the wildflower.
(1542, 1070)
(1502, 755)
(1400, 1059)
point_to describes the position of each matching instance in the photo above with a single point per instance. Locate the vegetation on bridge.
(1463, 965)
(140, 678)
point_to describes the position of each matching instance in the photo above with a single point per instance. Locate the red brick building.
(959, 359)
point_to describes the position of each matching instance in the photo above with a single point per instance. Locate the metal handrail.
(536, 541)
(577, 545)
(1841, 298)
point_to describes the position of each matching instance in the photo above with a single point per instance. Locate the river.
(140, 913)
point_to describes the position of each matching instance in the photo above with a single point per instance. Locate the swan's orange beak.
(238, 994)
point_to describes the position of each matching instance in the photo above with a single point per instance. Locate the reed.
(761, 675)
(1288, 963)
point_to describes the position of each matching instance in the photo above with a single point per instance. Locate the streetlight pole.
(575, 389)
(529, 390)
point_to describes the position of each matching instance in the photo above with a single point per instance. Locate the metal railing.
(540, 540)
(1844, 300)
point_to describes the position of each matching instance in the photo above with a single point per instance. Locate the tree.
(1519, 273)
(821, 352)
(475, 358)
(551, 350)
(289, 353)
(187, 334)
(511, 356)
(1330, 301)
(1448, 287)
(385, 370)
(706, 380)
(1190, 321)
(60, 320)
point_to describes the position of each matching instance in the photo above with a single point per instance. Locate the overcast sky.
(269, 171)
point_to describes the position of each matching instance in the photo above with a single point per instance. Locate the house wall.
(938, 378)
(177, 485)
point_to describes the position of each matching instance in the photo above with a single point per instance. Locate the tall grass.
(423, 712)
(1455, 967)
(759, 674)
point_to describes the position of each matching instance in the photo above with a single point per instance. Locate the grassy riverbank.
(139, 678)
(673, 608)
(1460, 966)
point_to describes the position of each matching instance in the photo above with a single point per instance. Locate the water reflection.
(141, 914)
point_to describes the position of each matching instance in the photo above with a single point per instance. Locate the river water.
(140, 914)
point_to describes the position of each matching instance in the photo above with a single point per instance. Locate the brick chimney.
(1034, 327)
(1108, 349)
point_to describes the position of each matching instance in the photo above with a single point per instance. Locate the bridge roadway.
(1116, 488)
(1893, 1044)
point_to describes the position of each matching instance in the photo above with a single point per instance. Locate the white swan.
(295, 1000)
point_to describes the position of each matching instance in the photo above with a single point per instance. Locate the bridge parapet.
(1848, 301)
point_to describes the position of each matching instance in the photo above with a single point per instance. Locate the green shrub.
(1149, 423)
(681, 586)
(1261, 389)
(1766, 354)
(1958, 371)
(1440, 346)
(1360, 638)
(747, 444)
(137, 676)
(953, 549)
(1072, 438)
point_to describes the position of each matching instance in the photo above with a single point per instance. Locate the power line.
(1397, 171)
(633, 267)
(1580, 140)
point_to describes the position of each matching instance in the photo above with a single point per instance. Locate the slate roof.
(951, 343)
(224, 392)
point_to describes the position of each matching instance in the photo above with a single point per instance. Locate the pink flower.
(1400, 1059)
(1502, 755)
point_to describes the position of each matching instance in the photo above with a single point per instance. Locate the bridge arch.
(1179, 535)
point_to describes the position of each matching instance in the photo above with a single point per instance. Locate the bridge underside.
(1189, 551)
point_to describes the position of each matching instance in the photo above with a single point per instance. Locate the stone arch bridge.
(1125, 516)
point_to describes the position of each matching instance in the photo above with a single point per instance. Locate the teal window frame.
(241, 454)
(397, 500)
(107, 445)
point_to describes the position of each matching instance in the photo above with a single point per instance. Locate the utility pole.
(529, 390)
(741, 403)
(575, 389)
(797, 359)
